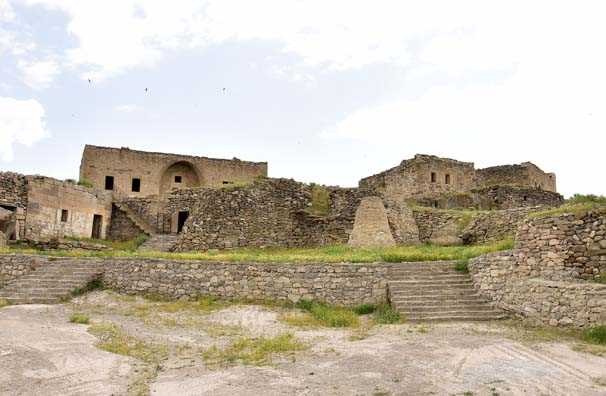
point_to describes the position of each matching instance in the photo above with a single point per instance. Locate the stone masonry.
(371, 227)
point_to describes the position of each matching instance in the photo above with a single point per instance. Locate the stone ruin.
(208, 203)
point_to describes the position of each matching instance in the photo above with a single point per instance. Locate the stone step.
(405, 284)
(428, 277)
(32, 300)
(467, 317)
(431, 293)
(406, 309)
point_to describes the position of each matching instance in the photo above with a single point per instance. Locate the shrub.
(595, 335)
(385, 314)
(462, 266)
(590, 198)
(79, 318)
(365, 309)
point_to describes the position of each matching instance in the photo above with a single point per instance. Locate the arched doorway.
(181, 174)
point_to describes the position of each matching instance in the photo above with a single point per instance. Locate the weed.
(320, 201)
(79, 318)
(595, 335)
(300, 319)
(253, 351)
(330, 316)
(3, 303)
(462, 266)
(85, 183)
(94, 284)
(365, 309)
(577, 205)
(385, 314)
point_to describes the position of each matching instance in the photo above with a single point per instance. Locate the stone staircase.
(159, 243)
(135, 218)
(51, 283)
(435, 291)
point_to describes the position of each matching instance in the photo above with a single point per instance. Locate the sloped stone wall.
(122, 228)
(371, 227)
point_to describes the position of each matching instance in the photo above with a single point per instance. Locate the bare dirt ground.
(41, 352)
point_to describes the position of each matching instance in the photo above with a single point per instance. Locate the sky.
(326, 91)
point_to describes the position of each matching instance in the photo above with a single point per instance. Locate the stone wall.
(567, 246)
(48, 198)
(157, 171)
(122, 228)
(13, 191)
(494, 225)
(341, 284)
(500, 278)
(509, 197)
(441, 227)
(371, 227)
(526, 174)
(151, 210)
(270, 212)
(13, 266)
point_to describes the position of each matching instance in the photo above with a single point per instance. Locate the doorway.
(97, 226)
(183, 215)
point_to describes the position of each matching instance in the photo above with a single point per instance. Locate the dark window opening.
(109, 182)
(178, 179)
(435, 204)
(525, 198)
(136, 187)
(181, 220)
(227, 182)
(433, 177)
(447, 179)
(97, 226)
(64, 214)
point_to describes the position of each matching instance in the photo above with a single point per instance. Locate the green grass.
(600, 279)
(3, 303)
(253, 351)
(385, 314)
(79, 318)
(365, 309)
(325, 254)
(85, 183)
(577, 205)
(330, 316)
(130, 245)
(462, 266)
(94, 284)
(595, 335)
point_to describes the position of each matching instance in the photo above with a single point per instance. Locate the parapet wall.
(13, 191)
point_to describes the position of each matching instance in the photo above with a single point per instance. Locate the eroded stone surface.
(371, 227)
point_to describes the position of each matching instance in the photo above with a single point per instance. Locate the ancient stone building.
(441, 182)
(36, 207)
(136, 173)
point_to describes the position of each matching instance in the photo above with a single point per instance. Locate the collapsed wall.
(548, 276)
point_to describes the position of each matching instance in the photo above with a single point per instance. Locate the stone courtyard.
(42, 353)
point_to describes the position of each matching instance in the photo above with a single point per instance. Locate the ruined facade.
(42, 207)
(442, 182)
(134, 173)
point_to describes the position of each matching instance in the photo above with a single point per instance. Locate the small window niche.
(433, 177)
(64, 215)
(109, 182)
(227, 182)
(447, 179)
(178, 179)
(136, 185)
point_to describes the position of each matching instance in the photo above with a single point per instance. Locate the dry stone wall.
(547, 277)
(122, 228)
(13, 266)
(371, 227)
(13, 191)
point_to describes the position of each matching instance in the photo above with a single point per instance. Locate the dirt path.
(41, 353)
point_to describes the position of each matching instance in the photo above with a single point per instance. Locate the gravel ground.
(42, 353)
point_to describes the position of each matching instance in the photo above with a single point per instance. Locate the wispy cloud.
(21, 121)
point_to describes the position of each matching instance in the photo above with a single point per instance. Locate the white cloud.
(21, 121)
(38, 74)
(128, 108)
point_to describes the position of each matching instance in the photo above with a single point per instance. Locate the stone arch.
(180, 174)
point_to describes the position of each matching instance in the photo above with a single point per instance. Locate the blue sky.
(328, 92)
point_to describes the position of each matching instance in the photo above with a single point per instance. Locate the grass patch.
(385, 314)
(4, 303)
(79, 318)
(320, 200)
(462, 266)
(113, 339)
(328, 315)
(577, 205)
(253, 351)
(595, 335)
(325, 254)
(85, 183)
(153, 307)
(365, 309)
(600, 279)
(300, 319)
